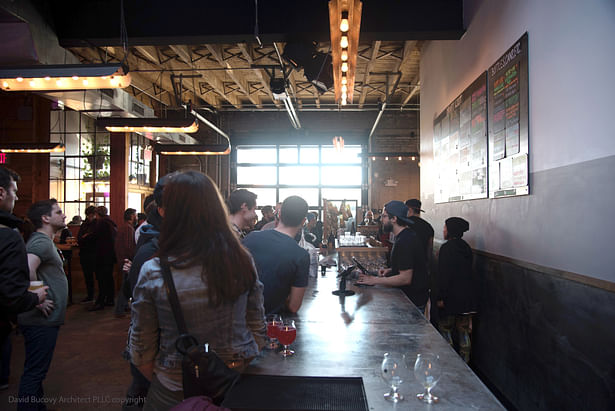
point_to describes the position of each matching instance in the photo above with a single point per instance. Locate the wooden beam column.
(120, 146)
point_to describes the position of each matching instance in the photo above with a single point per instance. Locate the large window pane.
(56, 189)
(342, 194)
(309, 155)
(73, 167)
(341, 175)
(56, 166)
(72, 190)
(299, 175)
(349, 155)
(256, 175)
(71, 141)
(73, 209)
(261, 155)
(265, 196)
(288, 154)
(308, 194)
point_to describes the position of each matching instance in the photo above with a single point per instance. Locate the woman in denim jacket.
(217, 285)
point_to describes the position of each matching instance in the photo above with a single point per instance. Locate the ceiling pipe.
(209, 124)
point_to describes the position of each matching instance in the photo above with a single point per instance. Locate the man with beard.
(408, 269)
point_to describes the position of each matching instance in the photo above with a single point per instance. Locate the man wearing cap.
(408, 267)
(422, 228)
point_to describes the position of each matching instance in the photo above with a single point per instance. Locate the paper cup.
(34, 285)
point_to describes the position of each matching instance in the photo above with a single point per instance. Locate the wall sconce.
(32, 148)
(344, 23)
(64, 77)
(188, 149)
(188, 124)
(338, 143)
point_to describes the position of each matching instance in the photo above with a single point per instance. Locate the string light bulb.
(344, 55)
(344, 67)
(344, 25)
(344, 42)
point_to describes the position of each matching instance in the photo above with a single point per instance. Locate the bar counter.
(348, 336)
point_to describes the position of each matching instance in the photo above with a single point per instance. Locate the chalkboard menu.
(508, 122)
(460, 146)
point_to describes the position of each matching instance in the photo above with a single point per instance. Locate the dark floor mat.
(274, 392)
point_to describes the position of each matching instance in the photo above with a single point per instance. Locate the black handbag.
(203, 372)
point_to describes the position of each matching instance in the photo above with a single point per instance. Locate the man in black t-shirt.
(282, 265)
(408, 269)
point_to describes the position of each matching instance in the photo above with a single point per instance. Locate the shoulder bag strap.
(173, 300)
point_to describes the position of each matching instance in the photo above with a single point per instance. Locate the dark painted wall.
(545, 342)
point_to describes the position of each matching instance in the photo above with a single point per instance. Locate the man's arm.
(33, 263)
(403, 278)
(295, 298)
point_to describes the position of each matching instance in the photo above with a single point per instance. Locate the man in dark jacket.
(87, 251)
(105, 233)
(14, 272)
(456, 289)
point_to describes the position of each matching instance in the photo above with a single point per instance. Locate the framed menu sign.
(460, 146)
(508, 122)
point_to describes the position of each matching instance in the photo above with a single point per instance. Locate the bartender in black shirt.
(408, 266)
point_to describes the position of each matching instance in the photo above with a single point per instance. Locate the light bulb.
(113, 81)
(5, 84)
(344, 55)
(32, 83)
(344, 88)
(85, 81)
(344, 42)
(47, 78)
(344, 25)
(75, 78)
(344, 96)
(399, 158)
(344, 102)
(373, 158)
(59, 83)
(344, 67)
(412, 158)
(344, 79)
(19, 79)
(386, 158)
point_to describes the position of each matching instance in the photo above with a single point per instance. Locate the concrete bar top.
(347, 337)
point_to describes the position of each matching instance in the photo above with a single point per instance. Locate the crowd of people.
(230, 270)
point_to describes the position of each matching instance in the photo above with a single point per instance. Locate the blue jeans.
(40, 342)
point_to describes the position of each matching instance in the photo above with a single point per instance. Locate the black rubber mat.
(274, 392)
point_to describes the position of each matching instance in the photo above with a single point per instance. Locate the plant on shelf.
(96, 161)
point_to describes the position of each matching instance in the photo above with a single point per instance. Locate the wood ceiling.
(230, 77)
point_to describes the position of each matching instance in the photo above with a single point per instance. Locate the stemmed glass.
(274, 322)
(394, 371)
(427, 371)
(286, 335)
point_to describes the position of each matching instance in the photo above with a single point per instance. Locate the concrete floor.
(87, 371)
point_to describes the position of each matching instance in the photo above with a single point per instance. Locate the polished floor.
(87, 371)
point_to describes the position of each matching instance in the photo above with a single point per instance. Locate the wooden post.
(120, 147)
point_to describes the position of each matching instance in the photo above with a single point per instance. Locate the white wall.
(564, 223)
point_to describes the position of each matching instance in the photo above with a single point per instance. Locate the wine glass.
(286, 335)
(394, 371)
(427, 371)
(274, 322)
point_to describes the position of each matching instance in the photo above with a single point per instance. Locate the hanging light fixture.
(189, 124)
(190, 149)
(32, 148)
(344, 23)
(338, 143)
(64, 77)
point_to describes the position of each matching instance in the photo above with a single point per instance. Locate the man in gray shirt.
(40, 325)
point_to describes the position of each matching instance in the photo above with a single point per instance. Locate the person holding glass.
(456, 297)
(217, 285)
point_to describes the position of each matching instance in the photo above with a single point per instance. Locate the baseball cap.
(399, 210)
(415, 204)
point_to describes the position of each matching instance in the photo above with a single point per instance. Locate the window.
(79, 176)
(310, 171)
(140, 159)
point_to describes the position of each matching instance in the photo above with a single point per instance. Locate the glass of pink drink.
(286, 335)
(274, 322)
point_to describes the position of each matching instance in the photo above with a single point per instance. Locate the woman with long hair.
(217, 285)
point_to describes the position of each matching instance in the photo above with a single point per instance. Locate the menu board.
(508, 122)
(460, 146)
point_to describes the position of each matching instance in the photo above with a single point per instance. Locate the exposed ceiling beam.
(246, 50)
(217, 52)
(368, 69)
